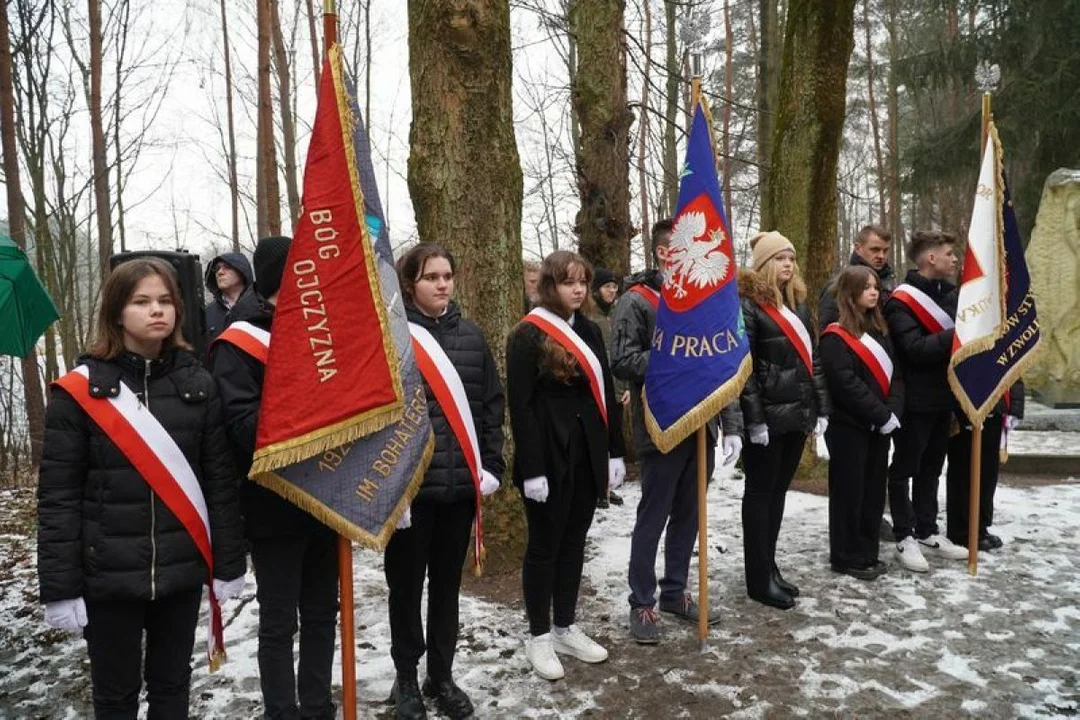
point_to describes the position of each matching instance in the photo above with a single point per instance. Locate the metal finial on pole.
(329, 23)
(987, 77)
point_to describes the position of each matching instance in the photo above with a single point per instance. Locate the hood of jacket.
(885, 274)
(753, 286)
(449, 318)
(650, 278)
(234, 260)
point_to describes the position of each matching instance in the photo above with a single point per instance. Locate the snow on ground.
(1003, 644)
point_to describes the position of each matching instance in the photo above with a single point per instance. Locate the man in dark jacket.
(920, 317)
(294, 555)
(668, 481)
(228, 278)
(605, 291)
(872, 250)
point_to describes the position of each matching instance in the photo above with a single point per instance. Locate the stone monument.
(1053, 257)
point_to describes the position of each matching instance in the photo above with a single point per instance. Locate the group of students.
(117, 562)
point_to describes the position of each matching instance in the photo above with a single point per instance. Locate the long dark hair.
(849, 287)
(109, 342)
(410, 266)
(557, 267)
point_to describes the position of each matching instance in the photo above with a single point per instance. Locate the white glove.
(733, 446)
(1011, 422)
(406, 519)
(822, 426)
(228, 589)
(488, 483)
(66, 615)
(759, 434)
(536, 489)
(616, 473)
(891, 425)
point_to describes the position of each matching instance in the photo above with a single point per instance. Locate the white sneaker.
(910, 556)
(577, 644)
(943, 547)
(541, 656)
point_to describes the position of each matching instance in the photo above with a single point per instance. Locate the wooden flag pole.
(345, 554)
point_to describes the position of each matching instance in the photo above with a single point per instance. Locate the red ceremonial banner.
(332, 373)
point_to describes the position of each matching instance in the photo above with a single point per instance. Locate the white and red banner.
(251, 339)
(560, 331)
(795, 331)
(928, 312)
(159, 460)
(870, 352)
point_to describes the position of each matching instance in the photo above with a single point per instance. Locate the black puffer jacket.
(828, 312)
(854, 393)
(923, 355)
(448, 479)
(632, 321)
(781, 392)
(217, 312)
(103, 533)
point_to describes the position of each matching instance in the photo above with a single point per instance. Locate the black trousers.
(297, 574)
(919, 454)
(114, 639)
(769, 470)
(555, 553)
(668, 499)
(858, 463)
(435, 546)
(958, 480)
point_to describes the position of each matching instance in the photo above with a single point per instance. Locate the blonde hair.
(792, 293)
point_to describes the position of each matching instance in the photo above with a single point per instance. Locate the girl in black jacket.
(568, 450)
(866, 393)
(783, 401)
(113, 558)
(435, 538)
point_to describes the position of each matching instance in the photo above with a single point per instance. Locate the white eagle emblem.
(696, 262)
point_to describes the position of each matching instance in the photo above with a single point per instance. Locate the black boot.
(773, 596)
(449, 698)
(790, 588)
(408, 702)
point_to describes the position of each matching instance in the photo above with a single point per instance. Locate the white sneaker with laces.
(910, 556)
(943, 547)
(541, 655)
(577, 644)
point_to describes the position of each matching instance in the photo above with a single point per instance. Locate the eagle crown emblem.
(694, 261)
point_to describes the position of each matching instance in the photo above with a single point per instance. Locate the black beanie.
(269, 260)
(601, 277)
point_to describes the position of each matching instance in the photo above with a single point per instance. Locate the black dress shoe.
(774, 597)
(867, 573)
(449, 698)
(879, 568)
(615, 499)
(790, 588)
(602, 503)
(993, 540)
(408, 702)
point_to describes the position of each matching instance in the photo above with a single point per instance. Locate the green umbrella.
(25, 308)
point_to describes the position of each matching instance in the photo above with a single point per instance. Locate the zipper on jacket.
(153, 513)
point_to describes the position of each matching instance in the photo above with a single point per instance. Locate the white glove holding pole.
(228, 589)
(536, 489)
(890, 426)
(759, 434)
(822, 426)
(1011, 422)
(732, 447)
(405, 522)
(488, 483)
(616, 472)
(66, 615)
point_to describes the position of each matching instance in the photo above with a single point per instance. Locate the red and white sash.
(251, 339)
(560, 331)
(650, 295)
(795, 331)
(445, 383)
(870, 351)
(159, 460)
(929, 313)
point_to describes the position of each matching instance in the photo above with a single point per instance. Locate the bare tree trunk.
(123, 13)
(603, 165)
(367, 63)
(767, 92)
(288, 126)
(671, 109)
(268, 192)
(643, 136)
(466, 185)
(729, 79)
(34, 397)
(316, 58)
(895, 217)
(102, 204)
(872, 109)
(234, 184)
(801, 201)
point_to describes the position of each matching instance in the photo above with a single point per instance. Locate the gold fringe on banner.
(667, 440)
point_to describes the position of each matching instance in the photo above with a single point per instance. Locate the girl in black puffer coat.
(112, 555)
(433, 541)
(783, 401)
(866, 391)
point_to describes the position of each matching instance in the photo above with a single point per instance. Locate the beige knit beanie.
(766, 245)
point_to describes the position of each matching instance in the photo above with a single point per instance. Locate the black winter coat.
(632, 321)
(543, 410)
(855, 396)
(448, 479)
(829, 312)
(239, 379)
(217, 312)
(780, 393)
(103, 534)
(924, 356)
